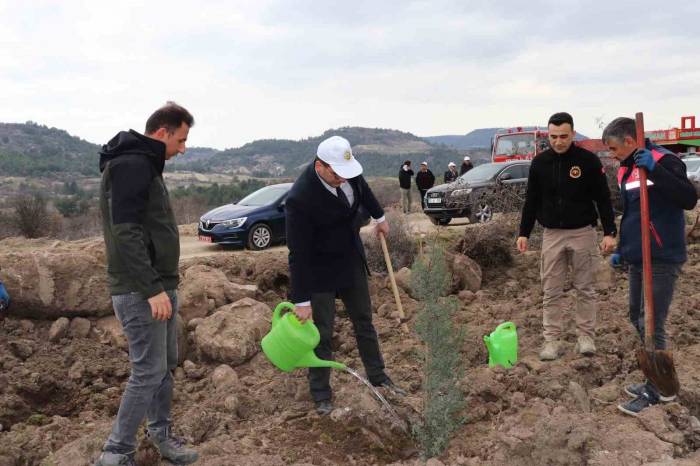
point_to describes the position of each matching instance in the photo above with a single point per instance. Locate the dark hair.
(407, 162)
(560, 118)
(170, 116)
(619, 128)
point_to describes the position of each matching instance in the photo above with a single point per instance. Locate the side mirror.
(505, 176)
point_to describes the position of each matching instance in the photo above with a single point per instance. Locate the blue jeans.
(663, 281)
(153, 356)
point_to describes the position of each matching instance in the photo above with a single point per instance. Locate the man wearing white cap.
(424, 180)
(327, 258)
(466, 165)
(451, 173)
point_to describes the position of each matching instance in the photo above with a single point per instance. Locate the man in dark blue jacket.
(670, 192)
(327, 258)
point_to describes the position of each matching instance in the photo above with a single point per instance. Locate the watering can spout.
(311, 360)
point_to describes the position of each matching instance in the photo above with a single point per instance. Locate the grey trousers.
(153, 356)
(406, 200)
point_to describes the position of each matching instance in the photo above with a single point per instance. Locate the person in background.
(405, 174)
(466, 165)
(670, 193)
(451, 173)
(424, 181)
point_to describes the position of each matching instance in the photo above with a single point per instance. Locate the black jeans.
(359, 309)
(422, 197)
(663, 281)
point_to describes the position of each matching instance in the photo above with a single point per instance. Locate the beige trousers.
(564, 250)
(406, 200)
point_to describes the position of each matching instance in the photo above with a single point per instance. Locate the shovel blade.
(659, 369)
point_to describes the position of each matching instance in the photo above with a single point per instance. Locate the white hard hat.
(466, 158)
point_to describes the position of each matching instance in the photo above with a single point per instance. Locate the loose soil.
(57, 399)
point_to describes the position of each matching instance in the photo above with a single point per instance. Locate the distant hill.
(477, 139)
(30, 149)
(381, 152)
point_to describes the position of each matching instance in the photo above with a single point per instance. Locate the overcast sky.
(291, 69)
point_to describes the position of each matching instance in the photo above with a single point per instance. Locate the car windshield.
(481, 173)
(515, 144)
(692, 165)
(263, 196)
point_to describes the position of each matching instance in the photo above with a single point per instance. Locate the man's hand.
(161, 308)
(616, 261)
(522, 243)
(608, 244)
(644, 159)
(303, 313)
(381, 228)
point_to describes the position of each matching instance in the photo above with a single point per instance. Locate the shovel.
(657, 365)
(395, 289)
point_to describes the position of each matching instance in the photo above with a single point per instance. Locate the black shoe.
(324, 407)
(634, 407)
(392, 387)
(637, 389)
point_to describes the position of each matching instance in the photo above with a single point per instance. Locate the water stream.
(380, 397)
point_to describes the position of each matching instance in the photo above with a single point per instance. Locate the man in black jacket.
(451, 173)
(405, 174)
(327, 258)
(670, 192)
(566, 189)
(424, 181)
(466, 165)
(143, 251)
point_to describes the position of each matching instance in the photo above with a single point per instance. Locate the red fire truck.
(526, 142)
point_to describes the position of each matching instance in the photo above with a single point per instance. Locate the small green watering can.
(290, 344)
(503, 345)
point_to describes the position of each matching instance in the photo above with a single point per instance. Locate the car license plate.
(434, 200)
(206, 239)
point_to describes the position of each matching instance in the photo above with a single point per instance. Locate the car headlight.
(234, 222)
(461, 192)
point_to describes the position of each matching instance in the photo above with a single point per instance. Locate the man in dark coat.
(143, 252)
(466, 165)
(424, 180)
(327, 258)
(405, 174)
(669, 193)
(451, 173)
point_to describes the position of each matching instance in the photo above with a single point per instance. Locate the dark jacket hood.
(132, 142)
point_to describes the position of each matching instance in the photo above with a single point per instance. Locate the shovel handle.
(394, 288)
(646, 243)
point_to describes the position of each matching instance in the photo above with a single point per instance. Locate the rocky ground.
(63, 367)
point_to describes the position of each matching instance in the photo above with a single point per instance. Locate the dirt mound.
(58, 398)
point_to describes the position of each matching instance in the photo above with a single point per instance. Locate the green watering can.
(290, 344)
(503, 345)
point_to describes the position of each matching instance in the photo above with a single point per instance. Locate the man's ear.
(160, 133)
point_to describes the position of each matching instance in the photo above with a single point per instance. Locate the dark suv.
(477, 193)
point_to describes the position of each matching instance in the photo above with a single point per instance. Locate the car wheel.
(482, 213)
(259, 236)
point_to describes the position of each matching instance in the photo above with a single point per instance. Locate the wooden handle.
(646, 243)
(395, 289)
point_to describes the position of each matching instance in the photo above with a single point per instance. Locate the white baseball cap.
(451, 164)
(424, 163)
(337, 153)
(466, 158)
